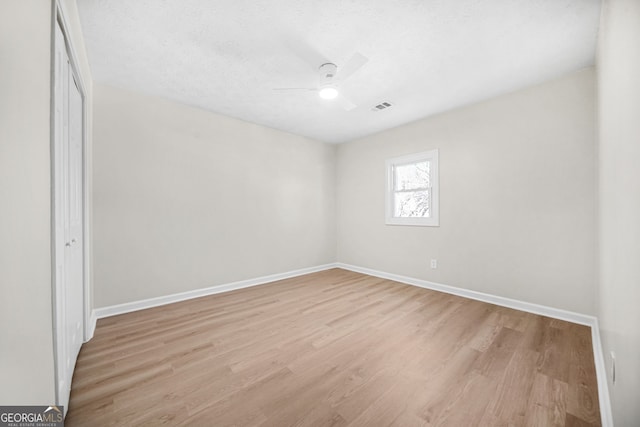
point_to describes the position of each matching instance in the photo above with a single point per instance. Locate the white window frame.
(434, 220)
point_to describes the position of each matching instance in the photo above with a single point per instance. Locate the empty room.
(320, 213)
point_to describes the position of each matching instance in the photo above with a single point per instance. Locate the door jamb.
(58, 18)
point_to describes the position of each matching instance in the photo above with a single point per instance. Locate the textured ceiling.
(425, 57)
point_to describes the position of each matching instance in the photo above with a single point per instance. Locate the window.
(412, 189)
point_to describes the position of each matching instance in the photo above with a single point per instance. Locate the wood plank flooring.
(335, 348)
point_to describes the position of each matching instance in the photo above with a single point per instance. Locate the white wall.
(186, 199)
(517, 197)
(26, 346)
(619, 154)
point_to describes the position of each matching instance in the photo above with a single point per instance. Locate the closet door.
(68, 212)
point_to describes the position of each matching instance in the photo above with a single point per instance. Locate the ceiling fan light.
(328, 92)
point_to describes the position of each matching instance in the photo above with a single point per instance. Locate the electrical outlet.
(434, 263)
(613, 368)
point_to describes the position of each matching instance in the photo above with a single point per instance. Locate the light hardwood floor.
(330, 349)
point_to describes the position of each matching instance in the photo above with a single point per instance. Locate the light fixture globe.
(328, 92)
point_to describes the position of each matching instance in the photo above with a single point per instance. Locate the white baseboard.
(601, 374)
(91, 326)
(128, 307)
(556, 313)
(542, 310)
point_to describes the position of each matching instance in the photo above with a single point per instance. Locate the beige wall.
(26, 346)
(619, 154)
(186, 199)
(517, 197)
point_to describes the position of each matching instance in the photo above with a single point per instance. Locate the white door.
(68, 211)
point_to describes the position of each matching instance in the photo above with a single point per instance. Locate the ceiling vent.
(382, 106)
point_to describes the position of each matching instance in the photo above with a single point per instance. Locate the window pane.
(412, 204)
(412, 176)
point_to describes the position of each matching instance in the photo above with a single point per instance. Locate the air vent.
(382, 106)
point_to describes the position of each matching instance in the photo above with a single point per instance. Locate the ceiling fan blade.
(345, 103)
(352, 65)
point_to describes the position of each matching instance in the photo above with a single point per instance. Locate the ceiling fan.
(329, 79)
